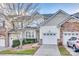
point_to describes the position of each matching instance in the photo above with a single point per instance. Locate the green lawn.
(63, 51)
(27, 52)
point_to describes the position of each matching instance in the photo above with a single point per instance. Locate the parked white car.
(74, 43)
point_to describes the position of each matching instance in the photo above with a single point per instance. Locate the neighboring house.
(23, 28)
(60, 26)
(48, 29)
(3, 31)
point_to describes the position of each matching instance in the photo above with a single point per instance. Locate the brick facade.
(69, 27)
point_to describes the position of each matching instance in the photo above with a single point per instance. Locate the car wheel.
(68, 44)
(74, 48)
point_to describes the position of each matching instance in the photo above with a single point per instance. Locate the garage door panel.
(68, 35)
(50, 39)
(2, 41)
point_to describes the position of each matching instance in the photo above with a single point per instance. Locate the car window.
(73, 38)
(69, 39)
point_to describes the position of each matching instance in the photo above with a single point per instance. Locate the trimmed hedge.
(25, 41)
(16, 43)
(28, 41)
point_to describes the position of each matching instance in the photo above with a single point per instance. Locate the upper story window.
(1, 23)
(18, 25)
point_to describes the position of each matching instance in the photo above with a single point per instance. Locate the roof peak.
(60, 10)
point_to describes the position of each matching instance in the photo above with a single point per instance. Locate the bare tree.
(16, 10)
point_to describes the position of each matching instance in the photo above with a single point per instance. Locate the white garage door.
(68, 35)
(49, 38)
(2, 41)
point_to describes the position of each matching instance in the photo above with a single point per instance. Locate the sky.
(46, 8)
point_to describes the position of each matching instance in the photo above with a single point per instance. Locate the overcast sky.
(51, 8)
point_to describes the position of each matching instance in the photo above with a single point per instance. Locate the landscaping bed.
(25, 52)
(63, 50)
(28, 49)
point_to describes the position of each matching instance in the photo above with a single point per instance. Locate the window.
(44, 33)
(69, 39)
(65, 33)
(18, 25)
(76, 33)
(72, 33)
(26, 34)
(69, 33)
(54, 34)
(1, 23)
(50, 33)
(47, 33)
(29, 34)
(32, 34)
(73, 38)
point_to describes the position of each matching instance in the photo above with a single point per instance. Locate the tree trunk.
(6, 40)
(21, 39)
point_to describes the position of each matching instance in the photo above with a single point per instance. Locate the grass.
(25, 52)
(63, 51)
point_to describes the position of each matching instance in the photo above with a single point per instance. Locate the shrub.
(28, 41)
(16, 43)
(31, 40)
(24, 41)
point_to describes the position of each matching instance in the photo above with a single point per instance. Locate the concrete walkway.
(2, 48)
(48, 50)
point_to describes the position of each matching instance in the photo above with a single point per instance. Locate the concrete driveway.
(72, 52)
(3, 48)
(48, 50)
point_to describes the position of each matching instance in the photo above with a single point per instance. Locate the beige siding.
(57, 19)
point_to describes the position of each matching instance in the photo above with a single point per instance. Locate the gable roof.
(46, 16)
(71, 17)
(57, 22)
(21, 18)
(76, 15)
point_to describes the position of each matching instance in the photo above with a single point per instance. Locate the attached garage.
(68, 35)
(48, 34)
(49, 38)
(2, 41)
(69, 29)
